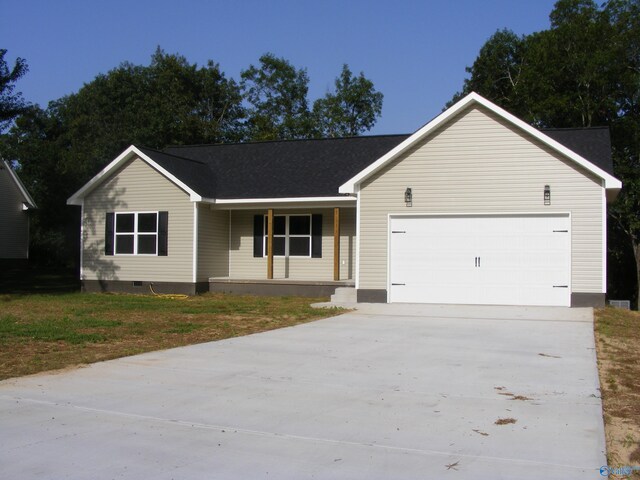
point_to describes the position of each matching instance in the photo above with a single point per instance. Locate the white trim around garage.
(498, 298)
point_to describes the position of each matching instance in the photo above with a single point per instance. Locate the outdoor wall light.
(408, 197)
(547, 195)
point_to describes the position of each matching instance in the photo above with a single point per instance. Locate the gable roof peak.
(350, 187)
(131, 152)
(27, 200)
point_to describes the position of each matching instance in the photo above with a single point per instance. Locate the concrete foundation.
(142, 287)
(276, 287)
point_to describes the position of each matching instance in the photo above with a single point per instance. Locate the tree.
(59, 148)
(583, 71)
(352, 109)
(277, 95)
(11, 102)
(498, 70)
(37, 143)
(169, 101)
(624, 15)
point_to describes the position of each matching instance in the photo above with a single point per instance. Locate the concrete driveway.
(398, 392)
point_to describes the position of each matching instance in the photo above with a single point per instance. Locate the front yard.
(40, 332)
(46, 332)
(618, 347)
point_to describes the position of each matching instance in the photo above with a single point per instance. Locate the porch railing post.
(336, 244)
(270, 244)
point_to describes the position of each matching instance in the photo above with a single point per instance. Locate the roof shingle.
(317, 167)
(280, 169)
(593, 144)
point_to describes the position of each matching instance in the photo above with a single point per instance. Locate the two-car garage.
(480, 259)
(479, 207)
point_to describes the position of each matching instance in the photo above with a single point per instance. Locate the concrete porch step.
(344, 295)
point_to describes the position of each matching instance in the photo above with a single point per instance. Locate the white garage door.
(492, 260)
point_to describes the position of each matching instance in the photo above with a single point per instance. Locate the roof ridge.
(172, 155)
(599, 127)
(292, 140)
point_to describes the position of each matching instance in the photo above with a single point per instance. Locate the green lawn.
(50, 331)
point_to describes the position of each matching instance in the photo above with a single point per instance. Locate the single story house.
(15, 203)
(475, 207)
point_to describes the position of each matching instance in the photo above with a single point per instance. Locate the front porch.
(301, 248)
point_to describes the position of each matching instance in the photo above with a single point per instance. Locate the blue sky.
(414, 51)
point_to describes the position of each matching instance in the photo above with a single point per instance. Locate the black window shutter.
(316, 236)
(163, 234)
(258, 236)
(108, 234)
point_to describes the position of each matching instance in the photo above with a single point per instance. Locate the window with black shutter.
(295, 235)
(136, 233)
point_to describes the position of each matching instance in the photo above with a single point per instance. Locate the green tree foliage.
(277, 95)
(61, 147)
(37, 141)
(498, 70)
(11, 102)
(169, 101)
(278, 107)
(583, 71)
(352, 109)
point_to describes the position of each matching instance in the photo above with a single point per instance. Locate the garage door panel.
(513, 260)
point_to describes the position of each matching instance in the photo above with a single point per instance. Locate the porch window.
(291, 236)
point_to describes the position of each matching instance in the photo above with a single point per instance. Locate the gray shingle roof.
(315, 168)
(196, 174)
(592, 143)
(279, 169)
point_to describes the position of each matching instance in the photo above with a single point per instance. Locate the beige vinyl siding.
(14, 221)
(137, 187)
(480, 164)
(243, 265)
(213, 243)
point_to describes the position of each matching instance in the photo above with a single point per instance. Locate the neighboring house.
(15, 203)
(476, 207)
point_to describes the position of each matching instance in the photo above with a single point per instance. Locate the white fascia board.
(129, 153)
(611, 183)
(26, 198)
(287, 201)
(222, 201)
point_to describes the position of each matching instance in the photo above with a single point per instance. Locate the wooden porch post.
(270, 244)
(336, 244)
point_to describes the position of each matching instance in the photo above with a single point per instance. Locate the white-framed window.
(136, 233)
(291, 235)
